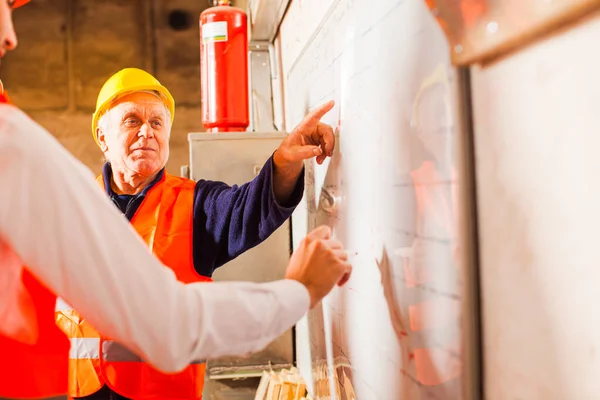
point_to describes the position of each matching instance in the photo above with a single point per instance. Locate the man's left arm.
(229, 220)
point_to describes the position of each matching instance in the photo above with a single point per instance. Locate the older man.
(193, 227)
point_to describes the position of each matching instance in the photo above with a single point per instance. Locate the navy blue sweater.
(228, 220)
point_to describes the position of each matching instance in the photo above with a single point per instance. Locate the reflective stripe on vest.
(165, 213)
(85, 348)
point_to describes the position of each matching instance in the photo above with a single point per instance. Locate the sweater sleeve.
(228, 220)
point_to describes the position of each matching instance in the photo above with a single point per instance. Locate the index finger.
(313, 117)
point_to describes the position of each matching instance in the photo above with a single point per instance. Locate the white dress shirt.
(55, 218)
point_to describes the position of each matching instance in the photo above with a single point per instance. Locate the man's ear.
(101, 140)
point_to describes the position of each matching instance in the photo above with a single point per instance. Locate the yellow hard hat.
(124, 82)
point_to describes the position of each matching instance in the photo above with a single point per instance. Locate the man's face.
(8, 37)
(134, 134)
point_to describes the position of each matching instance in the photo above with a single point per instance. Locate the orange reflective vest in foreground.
(33, 352)
(164, 221)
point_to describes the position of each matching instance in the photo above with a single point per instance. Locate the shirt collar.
(107, 177)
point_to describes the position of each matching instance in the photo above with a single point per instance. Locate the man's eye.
(157, 123)
(131, 122)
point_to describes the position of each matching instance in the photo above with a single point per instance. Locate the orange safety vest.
(164, 221)
(33, 351)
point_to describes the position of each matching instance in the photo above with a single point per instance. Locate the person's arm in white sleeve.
(55, 217)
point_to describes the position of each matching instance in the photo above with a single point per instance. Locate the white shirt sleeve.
(56, 218)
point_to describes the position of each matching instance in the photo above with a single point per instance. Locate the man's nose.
(9, 40)
(146, 131)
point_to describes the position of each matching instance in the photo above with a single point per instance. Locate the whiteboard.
(391, 193)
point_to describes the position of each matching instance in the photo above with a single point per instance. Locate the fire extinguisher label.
(214, 32)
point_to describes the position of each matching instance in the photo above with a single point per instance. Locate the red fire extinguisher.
(224, 68)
